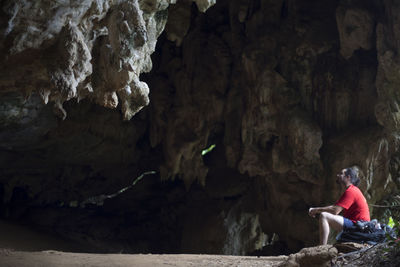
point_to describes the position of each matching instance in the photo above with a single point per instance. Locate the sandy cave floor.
(26, 248)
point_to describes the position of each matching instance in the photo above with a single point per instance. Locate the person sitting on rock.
(352, 203)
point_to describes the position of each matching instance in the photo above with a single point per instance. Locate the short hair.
(353, 173)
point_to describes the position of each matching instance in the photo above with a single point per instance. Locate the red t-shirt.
(354, 204)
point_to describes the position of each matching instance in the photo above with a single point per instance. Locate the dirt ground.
(21, 247)
(56, 258)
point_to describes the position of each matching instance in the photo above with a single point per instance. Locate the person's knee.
(324, 215)
(334, 221)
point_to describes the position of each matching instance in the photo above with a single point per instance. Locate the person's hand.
(312, 212)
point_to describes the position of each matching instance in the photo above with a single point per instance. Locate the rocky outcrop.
(82, 49)
(356, 28)
(252, 109)
(313, 256)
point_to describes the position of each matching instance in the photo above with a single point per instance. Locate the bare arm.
(334, 209)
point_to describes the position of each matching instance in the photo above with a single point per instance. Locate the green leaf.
(207, 150)
(391, 222)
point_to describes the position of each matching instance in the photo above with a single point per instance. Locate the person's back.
(354, 204)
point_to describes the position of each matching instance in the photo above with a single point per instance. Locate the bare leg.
(327, 221)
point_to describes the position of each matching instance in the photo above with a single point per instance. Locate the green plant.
(388, 211)
(207, 150)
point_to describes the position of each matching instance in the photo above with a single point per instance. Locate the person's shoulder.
(354, 188)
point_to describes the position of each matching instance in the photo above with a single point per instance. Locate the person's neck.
(345, 185)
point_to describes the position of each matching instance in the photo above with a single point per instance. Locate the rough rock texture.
(289, 92)
(313, 256)
(77, 49)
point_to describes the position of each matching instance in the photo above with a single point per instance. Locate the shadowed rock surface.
(93, 94)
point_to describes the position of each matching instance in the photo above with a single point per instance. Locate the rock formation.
(287, 93)
(77, 49)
